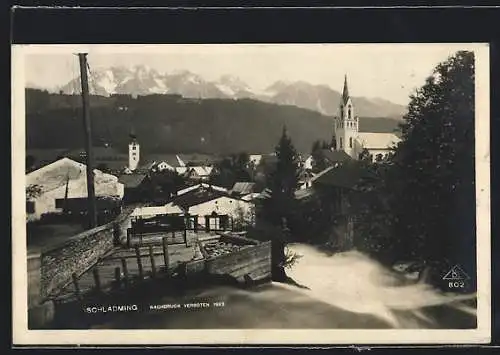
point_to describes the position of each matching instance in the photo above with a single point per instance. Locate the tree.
(435, 208)
(33, 191)
(333, 144)
(165, 183)
(364, 155)
(231, 169)
(282, 181)
(319, 163)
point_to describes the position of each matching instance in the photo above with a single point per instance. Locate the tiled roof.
(196, 197)
(243, 188)
(345, 176)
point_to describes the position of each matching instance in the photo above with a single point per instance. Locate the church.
(348, 139)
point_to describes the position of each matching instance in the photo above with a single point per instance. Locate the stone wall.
(78, 253)
(34, 277)
(74, 256)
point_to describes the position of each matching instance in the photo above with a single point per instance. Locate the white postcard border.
(23, 336)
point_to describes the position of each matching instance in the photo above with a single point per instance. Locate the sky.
(387, 71)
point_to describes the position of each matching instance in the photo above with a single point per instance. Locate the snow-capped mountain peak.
(144, 80)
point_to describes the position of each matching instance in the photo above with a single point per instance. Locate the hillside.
(171, 123)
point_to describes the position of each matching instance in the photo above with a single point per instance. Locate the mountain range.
(142, 80)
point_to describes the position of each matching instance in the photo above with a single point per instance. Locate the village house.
(206, 200)
(332, 187)
(63, 184)
(198, 173)
(213, 206)
(136, 187)
(308, 163)
(255, 159)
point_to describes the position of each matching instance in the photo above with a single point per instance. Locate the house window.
(340, 145)
(350, 142)
(30, 206)
(133, 147)
(59, 202)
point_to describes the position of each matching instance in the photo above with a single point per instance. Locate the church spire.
(345, 92)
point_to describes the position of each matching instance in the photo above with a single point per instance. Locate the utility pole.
(88, 141)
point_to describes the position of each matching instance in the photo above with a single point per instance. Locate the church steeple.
(346, 126)
(345, 92)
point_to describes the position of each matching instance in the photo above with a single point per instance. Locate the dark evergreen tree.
(333, 144)
(232, 169)
(280, 207)
(435, 207)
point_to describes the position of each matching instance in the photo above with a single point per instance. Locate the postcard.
(245, 194)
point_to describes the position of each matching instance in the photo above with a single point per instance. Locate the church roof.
(370, 140)
(345, 91)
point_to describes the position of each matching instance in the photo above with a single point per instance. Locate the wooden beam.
(92, 211)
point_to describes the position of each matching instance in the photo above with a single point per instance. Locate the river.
(344, 291)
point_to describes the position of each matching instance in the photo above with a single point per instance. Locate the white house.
(66, 179)
(205, 200)
(198, 172)
(308, 163)
(350, 140)
(162, 166)
(255, 159)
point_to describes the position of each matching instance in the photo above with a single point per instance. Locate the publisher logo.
(456, 277)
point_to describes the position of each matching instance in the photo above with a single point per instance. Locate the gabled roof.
(68, 173)
(344, 176)
(170, 159)
(200, 170)
(201, 186)
(335, 156)
(131, 180)
(196, 197)
(243, 188)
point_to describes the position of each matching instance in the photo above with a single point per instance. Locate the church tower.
(346, 125)
(133, 152)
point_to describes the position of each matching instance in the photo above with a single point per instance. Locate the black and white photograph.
(251, 193)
